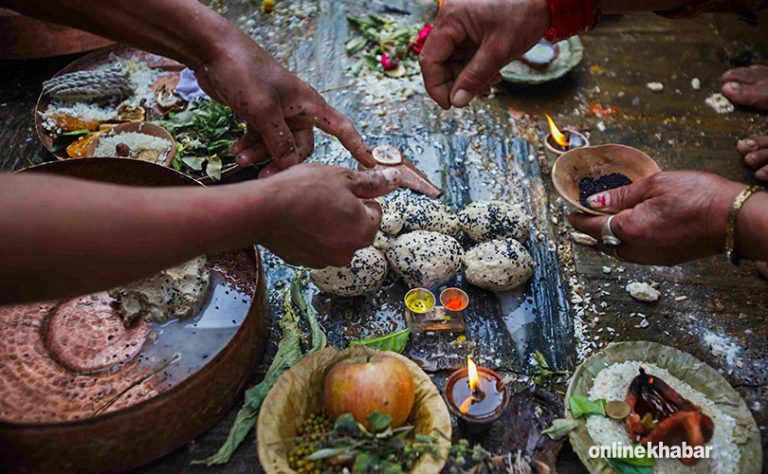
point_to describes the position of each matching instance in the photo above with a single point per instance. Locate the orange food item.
(79, 147)
(69, 123)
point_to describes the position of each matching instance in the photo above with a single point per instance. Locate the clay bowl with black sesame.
(596, 162)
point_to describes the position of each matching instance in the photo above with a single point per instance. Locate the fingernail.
(599, 201)
(762, 175)
(733, 86)
(242, 159)
(749, 143)
(236, 148)
(750, 158)
(392, 175)
(461, 98)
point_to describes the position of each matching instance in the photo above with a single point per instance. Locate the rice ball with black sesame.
(382, 241)
(365, 274)
(422, 213)
(487, 220)
(424, 258)
(391, 221)
(499, 265)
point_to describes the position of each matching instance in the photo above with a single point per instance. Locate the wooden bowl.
(147, 128)
(125, 438)
(298, 392)
(596, 161)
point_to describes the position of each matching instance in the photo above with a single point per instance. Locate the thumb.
(481, 70)
(372, 184)
(615, 200)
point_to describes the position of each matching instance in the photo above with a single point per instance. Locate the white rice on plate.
(612, 384)
(136, 142)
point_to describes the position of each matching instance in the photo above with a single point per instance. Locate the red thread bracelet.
(571, 17)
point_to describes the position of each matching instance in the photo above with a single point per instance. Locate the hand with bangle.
(675, 217)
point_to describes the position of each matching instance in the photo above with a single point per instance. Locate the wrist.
(751, 228)
(718, 215)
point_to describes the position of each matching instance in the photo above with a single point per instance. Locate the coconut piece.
(424, 258)
(499, 265)
(720, 104)
(487, 220)
(642, 291)
(364, 274)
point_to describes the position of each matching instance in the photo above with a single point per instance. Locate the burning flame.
(557, 135)
(472, 376)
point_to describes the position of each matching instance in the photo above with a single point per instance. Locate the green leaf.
(326, 453)
(214, 168)
(64, 139)
(364, 462)
(640, 461)
(395, 342)
(194, 162)
(319, 339)
(582, 406)
(625, 468)
(379, 422)
(355, 44)
(560, 427)
(346, 424)
(288, 354)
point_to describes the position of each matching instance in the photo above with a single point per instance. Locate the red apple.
(364, 385)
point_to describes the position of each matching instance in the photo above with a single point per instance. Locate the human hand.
(280, 109)
(320, 215)
(472, 40)
(666, 219)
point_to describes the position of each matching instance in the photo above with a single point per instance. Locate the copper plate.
(103, 56)
(125, 434)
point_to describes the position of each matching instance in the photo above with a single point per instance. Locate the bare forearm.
(185, 30)
(60, 237)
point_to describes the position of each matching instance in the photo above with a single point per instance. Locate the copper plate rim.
(161, 396)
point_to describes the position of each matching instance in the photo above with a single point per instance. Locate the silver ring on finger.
(608, 237)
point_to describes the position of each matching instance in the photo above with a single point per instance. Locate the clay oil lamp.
(579, 173)
(477, 396)
(559, 142)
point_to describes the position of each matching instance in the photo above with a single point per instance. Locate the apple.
(368, 384)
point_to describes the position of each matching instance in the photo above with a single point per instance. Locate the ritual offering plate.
(91, 385)
(580, 173)
(299, 393)
(672, 398)
(119, 85)
(545, 62)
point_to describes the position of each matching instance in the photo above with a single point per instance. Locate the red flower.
(418, 45)
(389, 62)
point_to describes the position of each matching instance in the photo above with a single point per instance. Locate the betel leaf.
(194, 162)
(379, 422)
(395, 342)
(213, 169)
(623, 467)
(345, 424)
(583, 406)
(642, 460)
(560, 427)
(288, 354)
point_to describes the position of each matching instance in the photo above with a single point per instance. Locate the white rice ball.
(364, 274)
(487, 220)
(499, 265)
(425, 259)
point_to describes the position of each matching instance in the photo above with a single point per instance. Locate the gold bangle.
(733, 218)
